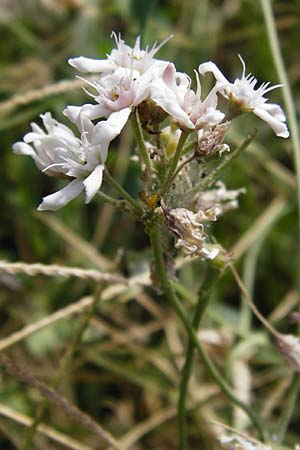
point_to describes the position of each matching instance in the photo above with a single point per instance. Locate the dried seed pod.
(189, 229)
(210, 140)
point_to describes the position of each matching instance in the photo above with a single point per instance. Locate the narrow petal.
(93, 183)
(91, 65)
(275, 111)
(165, 98)
(55, 201)
(278, 126)
(211, 67)
(20, 148)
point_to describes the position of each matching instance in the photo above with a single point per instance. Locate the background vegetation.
(125, 370)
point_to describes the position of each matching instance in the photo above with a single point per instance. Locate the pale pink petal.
(165, 98)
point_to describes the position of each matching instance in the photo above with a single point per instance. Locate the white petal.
(275, 111)
(165, 98)
(93, 183)
(20, 148)
(55, 201)
(278, 126)
(91, 65)
(210, 117)
(72, 112)
(107, 130)
(211, 67)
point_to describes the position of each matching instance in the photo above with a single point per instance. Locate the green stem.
(144, 154)
(170, 294)
(123, 193)
(120, 204)
(289, 407)
(214, 174)
(203, 300)
(174, 162)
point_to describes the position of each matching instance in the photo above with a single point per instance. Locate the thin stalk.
(83, 324)
(141, 147)
(288, 409)
(214, 174)
(174, 162)
(120, 204)
(123, 193)
(203, 300)
(249, 301)
(181, 166)
(170, 294)
(295, 136)
(286, 89)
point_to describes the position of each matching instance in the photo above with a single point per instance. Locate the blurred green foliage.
(120, 384)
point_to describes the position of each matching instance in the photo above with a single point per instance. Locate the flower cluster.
(132, 81)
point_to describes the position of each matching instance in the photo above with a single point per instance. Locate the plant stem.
(123, 193)
(170, 294)
(120, 204)
(214, 174)
(144, 154)
(203, 300)
(289, 407)
(174, 162)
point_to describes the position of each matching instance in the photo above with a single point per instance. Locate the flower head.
(58, 152)
(123, 56)
(172, 93)
(244, 95)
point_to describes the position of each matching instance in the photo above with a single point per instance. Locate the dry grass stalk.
(38, 94)
(52, 434)
(70, 409)
(54, 270)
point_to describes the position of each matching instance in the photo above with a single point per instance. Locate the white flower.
(173, 94)
(123, 56)
(242, 92)
(58, 152)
